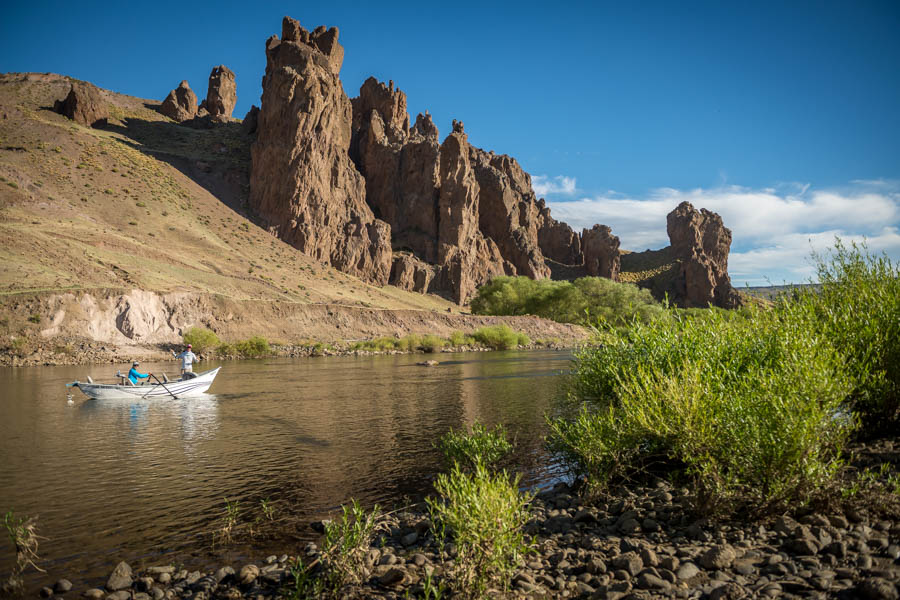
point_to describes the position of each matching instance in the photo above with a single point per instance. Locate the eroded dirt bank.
(105, 326)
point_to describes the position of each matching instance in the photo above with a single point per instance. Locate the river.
(147, 481)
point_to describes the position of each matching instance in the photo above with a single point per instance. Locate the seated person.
(134, 376)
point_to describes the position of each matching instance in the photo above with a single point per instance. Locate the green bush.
(498, 337)
(410, 343)
(483, 513)
(346, 542)
(254, 347)
(859, 309)
(478, 446)
(201, 339)
(432, 343)
(750, 407)
(585, 301)
(458, 338)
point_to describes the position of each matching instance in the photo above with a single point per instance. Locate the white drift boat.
(180, 388)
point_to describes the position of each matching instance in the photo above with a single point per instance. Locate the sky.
(781, 116)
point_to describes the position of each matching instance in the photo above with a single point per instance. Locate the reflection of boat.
(181, 388)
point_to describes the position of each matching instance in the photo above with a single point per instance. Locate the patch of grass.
(483, 514)
(498, 337)
(34, 318)
(201, 339)
(458, 338)
(477, 446)
(23, 535)
(230, 518)
(346, 541)
(432, 343)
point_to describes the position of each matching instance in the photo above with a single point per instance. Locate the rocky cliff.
(700, 240)
(303, 183)
(354, 184)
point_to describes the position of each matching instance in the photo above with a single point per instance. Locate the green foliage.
(584, 301)
(498, 337)
(483, 513)
(410, 343)
(750, 407)
(859, 310)
(345, 545)
(254, 347)
(478, 446)
(23, 535)
(202, 339)
(458, 338)
(307, 584)
(35, 318)
(432, 343)
(230, 517)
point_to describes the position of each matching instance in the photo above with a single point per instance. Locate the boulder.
(303, 183)
(410, 273)
(84, 104)
(221, 96)
(601, 252)
(181, 103)
(701, 242)
(120, 578)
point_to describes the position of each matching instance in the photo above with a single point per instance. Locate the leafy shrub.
(859, 309)
(410, 343)
(432, 343)
(584, 301)
(345, 544)
(254, 347)
(201, 339)
(478, 446)
(458, 338)
(498, 337)
(522, 339)
(751, 408)
(483, 514)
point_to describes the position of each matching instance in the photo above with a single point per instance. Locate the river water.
(147, 481)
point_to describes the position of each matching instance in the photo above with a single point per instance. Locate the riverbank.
(639, 541)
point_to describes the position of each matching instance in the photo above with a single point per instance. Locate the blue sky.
(781, 116)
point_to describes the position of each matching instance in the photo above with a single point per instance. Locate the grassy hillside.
(144, 203)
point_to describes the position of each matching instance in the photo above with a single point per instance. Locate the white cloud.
(553, 186)
(773, 229)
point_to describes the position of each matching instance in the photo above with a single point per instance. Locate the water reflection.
(138, 479)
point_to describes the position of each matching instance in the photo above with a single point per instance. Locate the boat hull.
(185, 388)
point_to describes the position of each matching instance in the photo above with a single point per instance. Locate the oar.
(163, 386)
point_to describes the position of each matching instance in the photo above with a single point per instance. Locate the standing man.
(187, 360)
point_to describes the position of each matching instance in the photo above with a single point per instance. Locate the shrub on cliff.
(584, 301)
(750, 409)
(201, 339)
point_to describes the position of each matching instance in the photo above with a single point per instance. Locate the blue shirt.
(134, 375)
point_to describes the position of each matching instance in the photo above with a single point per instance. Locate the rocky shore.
(639, 542)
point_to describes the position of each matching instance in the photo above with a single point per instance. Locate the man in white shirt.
(187, 361)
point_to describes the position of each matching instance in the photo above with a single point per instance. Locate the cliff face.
(353, 184)
(470, 213)
(303, 183)
(701, 242)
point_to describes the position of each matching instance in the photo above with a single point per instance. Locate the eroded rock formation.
(181, 103)
(250, 122)
(303, 183)
(557, 240)
(601, 252)
(410, 273)
(221, 95)
(700, 240)
(84, 104)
